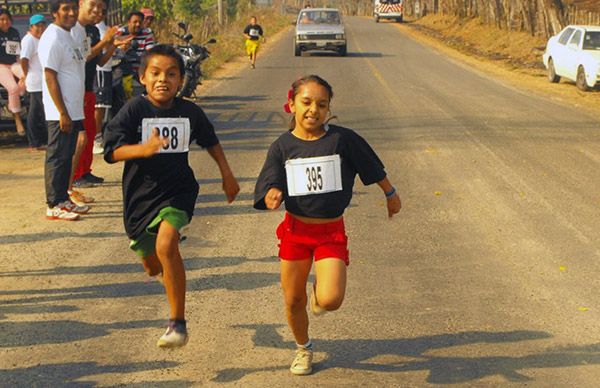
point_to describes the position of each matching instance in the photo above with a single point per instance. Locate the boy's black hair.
(162, 49)
(135, 13)
(5, 11)
(55, 4)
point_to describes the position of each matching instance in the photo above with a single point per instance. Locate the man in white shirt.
(37, 133)
(63, 62)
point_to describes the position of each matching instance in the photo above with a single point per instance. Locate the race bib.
(87, 46)
(175, 129)
(253, 32)
(13, 48)
(78, 55)
(322, 174)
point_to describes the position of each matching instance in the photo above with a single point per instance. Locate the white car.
(320, 29)
(574, 53)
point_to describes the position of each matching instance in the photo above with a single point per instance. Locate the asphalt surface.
(487, 277)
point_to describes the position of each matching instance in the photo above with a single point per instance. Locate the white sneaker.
(73, 208)
(59, 212)
(314, 306)
(175, 336)
(302, 364)
(98, 149)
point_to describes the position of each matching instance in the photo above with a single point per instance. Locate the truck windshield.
(591, 40)
(319, 17)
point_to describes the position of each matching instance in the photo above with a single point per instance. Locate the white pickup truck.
(388, 9)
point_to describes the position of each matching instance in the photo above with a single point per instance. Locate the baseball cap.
(147, 12)
(37, 18)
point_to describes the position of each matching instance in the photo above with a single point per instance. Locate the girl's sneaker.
(175, 336)
(302, 364)
(79, 199)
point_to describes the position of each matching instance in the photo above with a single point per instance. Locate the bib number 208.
(314, 179)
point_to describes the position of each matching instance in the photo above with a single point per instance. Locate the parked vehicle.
(388, 9)
(320, 29)
(574, 53)
(193, 56)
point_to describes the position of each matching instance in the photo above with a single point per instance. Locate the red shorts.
(300, 240)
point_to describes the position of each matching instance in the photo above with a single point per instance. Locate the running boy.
(152, 135)
(253, 32)
(312, 169)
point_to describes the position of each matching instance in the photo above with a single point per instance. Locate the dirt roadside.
(512, 58)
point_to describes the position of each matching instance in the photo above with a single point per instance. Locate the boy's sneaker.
(82, 183)
(98, 149)
(60, 212)
(79, 199)
(175, 336)
(302, 364)
(93, 178)
(73, 208)
(314, 306)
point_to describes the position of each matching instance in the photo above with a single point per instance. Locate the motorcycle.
(193, 56)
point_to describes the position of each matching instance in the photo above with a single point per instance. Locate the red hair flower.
(286, 106)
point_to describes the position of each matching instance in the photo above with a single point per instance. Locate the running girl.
(152, 134)
(312, 169)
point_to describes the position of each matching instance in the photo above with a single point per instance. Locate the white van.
(388, 9)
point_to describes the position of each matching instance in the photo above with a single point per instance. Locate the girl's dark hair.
(55, 4)
(5, 11)
(303, 81)
(166, 50)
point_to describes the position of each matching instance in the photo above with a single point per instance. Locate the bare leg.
(294, 275)
(152, 265)
(167, 250)
(19, 124)
(99, 117)
(331, 283)
(81, 141)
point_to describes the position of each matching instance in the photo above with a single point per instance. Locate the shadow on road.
(34, 309)
(58, 332)
(411, 355)
(72, 374)
(232, 282)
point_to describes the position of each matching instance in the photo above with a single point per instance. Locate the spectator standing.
(10, 48)
(148, 19)
(37, 132)
(142, 40)
(86, 32)
(62, 92)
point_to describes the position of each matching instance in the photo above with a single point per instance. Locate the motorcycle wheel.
(188, 88)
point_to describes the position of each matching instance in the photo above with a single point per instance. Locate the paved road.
(488, 276)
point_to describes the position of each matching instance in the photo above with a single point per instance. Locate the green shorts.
(145, 245)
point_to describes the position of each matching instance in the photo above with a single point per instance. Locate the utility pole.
(220, 11)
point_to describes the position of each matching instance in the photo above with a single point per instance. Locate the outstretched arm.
(230, 184)
(393, 199)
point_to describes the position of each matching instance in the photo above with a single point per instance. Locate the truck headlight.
(339, 36)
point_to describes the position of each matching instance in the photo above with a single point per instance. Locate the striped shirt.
(142, 41)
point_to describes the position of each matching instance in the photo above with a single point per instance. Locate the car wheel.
(581, 81)
(399, 20)
(376, 19)
(343, 51)
(552, 76)
(297, 50)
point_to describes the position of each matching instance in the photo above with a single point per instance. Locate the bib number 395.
(175, 130)
(316, 175)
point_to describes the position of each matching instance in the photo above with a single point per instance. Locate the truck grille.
(320, 36)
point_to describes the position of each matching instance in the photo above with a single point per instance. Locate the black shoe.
(82, 183)
(93, 178)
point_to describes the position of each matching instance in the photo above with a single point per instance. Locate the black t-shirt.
(254, 31)
(93, 35)
(9, 42)
(165, 179)
(357, 157)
